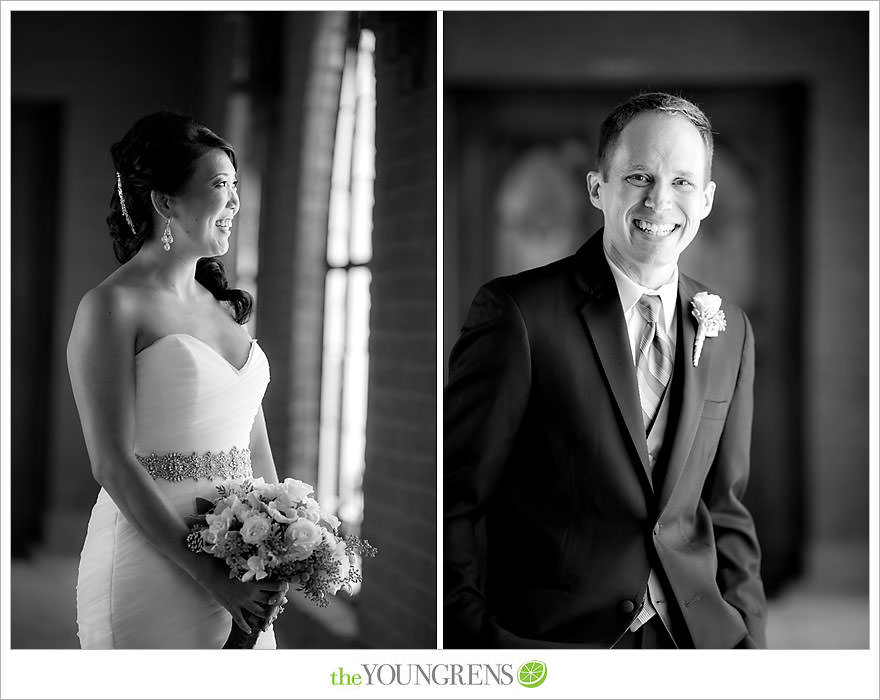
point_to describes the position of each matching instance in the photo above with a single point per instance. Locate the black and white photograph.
(223, 350)
(439, 349)
(655, 300)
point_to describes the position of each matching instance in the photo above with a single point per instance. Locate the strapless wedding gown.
(190, 402)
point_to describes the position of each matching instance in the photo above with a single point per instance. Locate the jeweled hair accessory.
(122, 202)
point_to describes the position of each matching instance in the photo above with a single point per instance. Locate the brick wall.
(397, 608)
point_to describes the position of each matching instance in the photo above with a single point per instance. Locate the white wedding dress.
(189, 401)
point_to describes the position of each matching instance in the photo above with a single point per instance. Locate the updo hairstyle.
(159, 153)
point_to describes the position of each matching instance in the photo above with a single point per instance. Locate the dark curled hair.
(662, 102)
(159, 153)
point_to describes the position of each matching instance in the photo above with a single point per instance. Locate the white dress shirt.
(630, 292)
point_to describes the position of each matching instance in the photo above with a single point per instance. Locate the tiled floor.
(828, 609)
(43, 602)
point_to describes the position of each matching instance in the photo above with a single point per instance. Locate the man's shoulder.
(536, 281)
(539, 293)
(559, 279)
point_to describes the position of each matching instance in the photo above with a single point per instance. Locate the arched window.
(347, 291)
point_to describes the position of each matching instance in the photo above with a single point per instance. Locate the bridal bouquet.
(277, 532)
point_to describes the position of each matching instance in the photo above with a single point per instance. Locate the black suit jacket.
(552, 522)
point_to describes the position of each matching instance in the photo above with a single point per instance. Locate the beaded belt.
(174, 466)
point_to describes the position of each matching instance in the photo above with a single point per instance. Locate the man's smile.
(658, 230)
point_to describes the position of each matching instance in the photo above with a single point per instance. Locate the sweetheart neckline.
(231, 366)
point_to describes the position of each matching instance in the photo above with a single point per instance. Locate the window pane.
(354, 405)
(339, 219)
(364, 157)
(342, 445)
(331, 388)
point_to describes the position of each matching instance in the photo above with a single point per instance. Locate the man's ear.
(594, 184)
(708, 199)
(162, 203)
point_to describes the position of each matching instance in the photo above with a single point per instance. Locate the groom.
(597, 432)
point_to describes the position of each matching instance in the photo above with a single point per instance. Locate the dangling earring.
(167, 238)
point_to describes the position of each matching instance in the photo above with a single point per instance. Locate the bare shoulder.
(110, 304)
(109, 312)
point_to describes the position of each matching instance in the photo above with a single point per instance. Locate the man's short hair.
(625, 112)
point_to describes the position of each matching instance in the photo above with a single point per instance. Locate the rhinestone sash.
(174, 466)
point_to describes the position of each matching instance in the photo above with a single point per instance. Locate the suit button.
(627, 606)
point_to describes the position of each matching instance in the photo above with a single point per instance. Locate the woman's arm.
(262, 462)
(263, 465)
(100, 359)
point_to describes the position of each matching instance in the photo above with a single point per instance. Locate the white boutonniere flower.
(710, 320)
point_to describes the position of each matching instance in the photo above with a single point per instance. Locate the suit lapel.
(695, 382)
(603, 317)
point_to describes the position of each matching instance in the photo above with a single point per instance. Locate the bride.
(168, 385)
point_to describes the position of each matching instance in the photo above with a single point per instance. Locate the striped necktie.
(654, 365)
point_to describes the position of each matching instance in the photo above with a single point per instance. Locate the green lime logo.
(531, 674)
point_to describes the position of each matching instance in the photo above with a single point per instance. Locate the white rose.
(330, 519)
(707, 304)
(241, 510)
(255, 528)
(217, 528)
(220, 521)
(258, 483)
(254, 501)
(280, 512)
(707, 311)
(309, 509)
(296, 489)
(710, 320)
(304, 536)
(269, 492)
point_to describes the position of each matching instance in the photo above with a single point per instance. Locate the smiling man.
(598, 424)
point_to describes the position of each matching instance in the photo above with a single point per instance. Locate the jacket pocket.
(715, 410)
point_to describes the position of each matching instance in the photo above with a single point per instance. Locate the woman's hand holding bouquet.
(274, 534)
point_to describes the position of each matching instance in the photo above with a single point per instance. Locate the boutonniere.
(710, 320)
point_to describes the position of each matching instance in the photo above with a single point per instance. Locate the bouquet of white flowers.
(277, 532)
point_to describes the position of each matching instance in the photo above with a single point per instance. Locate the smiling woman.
(169, 385)
(168, 159)
(208, 203)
